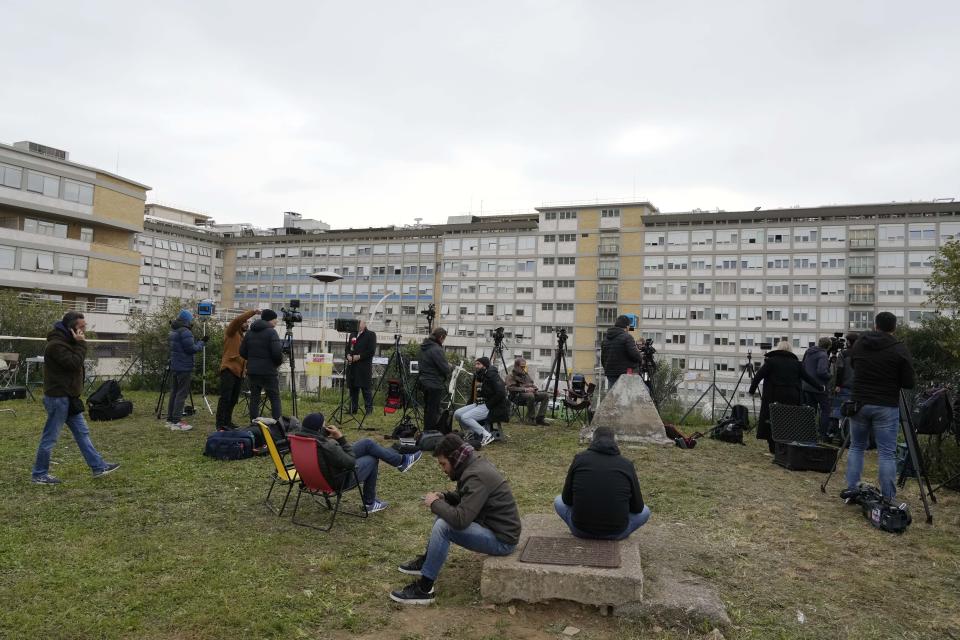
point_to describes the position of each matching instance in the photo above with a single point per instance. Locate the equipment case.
(797, 456)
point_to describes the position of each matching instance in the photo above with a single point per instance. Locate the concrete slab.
(506, 578)
(629, 411)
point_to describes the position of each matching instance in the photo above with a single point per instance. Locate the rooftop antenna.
(417, 221)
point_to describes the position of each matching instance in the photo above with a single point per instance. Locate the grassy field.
(174, 545)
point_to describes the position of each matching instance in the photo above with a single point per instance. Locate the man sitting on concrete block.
(481, 515)
(601, 497)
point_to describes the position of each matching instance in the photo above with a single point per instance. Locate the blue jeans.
(469, 417)
(474, 538)
(56, 418)
(634, 522)
(884, 421)
(369, 454)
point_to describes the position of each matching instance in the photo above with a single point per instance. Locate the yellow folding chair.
(284, 474)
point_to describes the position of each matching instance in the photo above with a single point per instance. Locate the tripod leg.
(163, 388)
(836, 463)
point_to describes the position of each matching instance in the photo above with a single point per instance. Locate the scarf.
(460, 458)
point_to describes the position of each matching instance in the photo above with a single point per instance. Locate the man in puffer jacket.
(263, 351)
(619, 351)
(183, 346)
(816, 362)
(434, 371)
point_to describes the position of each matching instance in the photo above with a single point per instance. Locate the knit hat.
(313, 422)
(268, 315)
(485, 361)
(185, 317)
(622, 321)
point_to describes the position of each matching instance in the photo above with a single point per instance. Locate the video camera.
(647, 362)
(497, 335)
(837, 343)
(430, 312)
(562, 336)
(292, 315)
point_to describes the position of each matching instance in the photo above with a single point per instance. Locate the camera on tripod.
(497, 335)
(430, 312)
(647, 363)
(562, 335)
(291, 315)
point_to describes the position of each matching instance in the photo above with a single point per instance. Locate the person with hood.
(619, 351)
(781, 375)
(63, 359)
(481, 515)
(363, 347)
(843, 377)
(263, 352)
(816, 363)
(883, 367)
(492, 402)
(434, 371)
(601, 496)
(336, 456)
(232, 368)
(524, 390)
(183, 347)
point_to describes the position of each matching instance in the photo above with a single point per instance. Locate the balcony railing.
(613, 249)
(608, 273)
(607, 297)
(861, 298)
(860, 324)
(861, 270)
(862, 243)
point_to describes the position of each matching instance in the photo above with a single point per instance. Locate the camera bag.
(233, 444)
(728, 430)
(933, 413)
(802, 456)
(429, 440)
(107, 403)
(882, 513)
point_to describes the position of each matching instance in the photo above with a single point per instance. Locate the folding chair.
(8, 374)
(577, 400)
(303, 450)
(517, 406)
(285, 474)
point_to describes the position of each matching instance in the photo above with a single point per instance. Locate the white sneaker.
(487, 439)
(181, 426)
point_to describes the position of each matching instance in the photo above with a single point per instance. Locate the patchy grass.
(174, 545)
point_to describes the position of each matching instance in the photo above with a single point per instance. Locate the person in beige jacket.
(232, 368)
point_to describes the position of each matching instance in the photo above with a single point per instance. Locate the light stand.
(325, 277)
(203, 358)
(406, 387)
(338, 413)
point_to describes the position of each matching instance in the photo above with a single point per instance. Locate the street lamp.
(325, 277)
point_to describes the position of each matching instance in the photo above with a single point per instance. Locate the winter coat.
(334, 456)
(816, 363)
(845, 374)
(434, 368)
(360, 372)
(494, 395)
(262, 349)
(182, 347)
(619, 352)
(63, 359)
(603, 489)
(519, 381)
(883, 367)
(781, 375)
(482, 496)
(232, 337)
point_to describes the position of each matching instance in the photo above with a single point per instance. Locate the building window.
(549, 261)
(550, 237)
(79, 192)
(550, 215)
(610, 213)
(10, 176)
(567, 237)
(43, 183)
(86, 234)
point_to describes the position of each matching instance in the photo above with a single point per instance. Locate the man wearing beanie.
(619, 351)
(183, 346)
(337, 457)
(262, 350)
(491, 402)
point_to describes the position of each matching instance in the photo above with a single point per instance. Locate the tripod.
(338, 413)
(288, 349)
(406, 390)
(723, 394)
(158, 411)
(910, 436)
(559, 364)
(203, 358)
(497, 351)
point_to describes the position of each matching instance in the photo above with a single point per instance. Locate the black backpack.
(107, 403)
(741, 415)
(728, 430)
(932, 412)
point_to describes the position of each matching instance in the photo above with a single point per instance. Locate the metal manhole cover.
(572, 552)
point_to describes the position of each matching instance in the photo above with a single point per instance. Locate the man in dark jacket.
(263, 352)
(434, 371)
(883, 366)
(363, 346)
(63, 360)
(232, 368)
(782, 376)
(601, 497)
(183, 346)
(481, 515)
(336, 456)
(492, 403)
(619, 351)
(843, 377)
(524, 390)
(816, 364)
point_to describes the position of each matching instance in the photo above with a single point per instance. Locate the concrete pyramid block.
(628, 409)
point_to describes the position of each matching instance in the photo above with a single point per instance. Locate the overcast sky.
(374, 113)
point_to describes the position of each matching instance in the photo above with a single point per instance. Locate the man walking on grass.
(62, 385)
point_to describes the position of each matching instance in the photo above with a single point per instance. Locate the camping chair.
(517, 406)
(8, 373)
(283, 473)
(577, 400)
(394, 400)
(303, 450)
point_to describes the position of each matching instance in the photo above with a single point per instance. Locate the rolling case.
(797, 456)
(793, 423)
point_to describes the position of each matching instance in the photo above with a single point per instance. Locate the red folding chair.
(303, 450)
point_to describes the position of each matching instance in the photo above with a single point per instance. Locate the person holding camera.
(336, 457)
(263, 351)
(524, 390)
(883, 367)
(491, 402)
(843, 375)
(816, 364)
(619, 351)
(363, 346)
(481, 515)
(232, 367)
(433, 373)
(781, 375)
(63, 359)
(183, 347)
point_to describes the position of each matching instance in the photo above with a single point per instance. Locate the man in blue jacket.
(816, 362)
(183, 346)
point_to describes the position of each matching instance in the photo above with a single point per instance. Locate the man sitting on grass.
(481, 515)
(336, 456)
(601, 497)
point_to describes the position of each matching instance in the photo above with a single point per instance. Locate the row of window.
(560, 237)
(157, 282)
(560, 215)
(335, 289)
(827, 315)
(43, 261)
(806, 262)
(559, 284)
(258, 253)
(500, 288)
(496, 266)
(560, 260)
(46, 184)
(778, 287)
(174, 245)
(491, 244)
(886, 234)
(177, 265)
